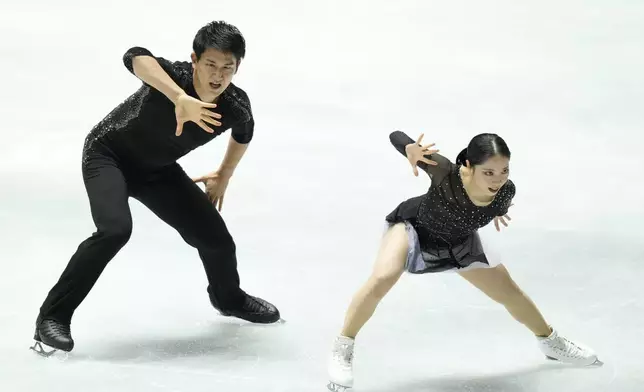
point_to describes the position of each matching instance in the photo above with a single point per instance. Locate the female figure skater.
(438, 232)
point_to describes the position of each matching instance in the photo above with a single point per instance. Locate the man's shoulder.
(182, 68)
(239, 94)
(240, 101)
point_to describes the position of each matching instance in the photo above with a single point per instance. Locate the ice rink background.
(562, 82)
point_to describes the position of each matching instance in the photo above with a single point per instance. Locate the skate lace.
(57, 328)
(344, 355)
(568, 348)
(254, 305)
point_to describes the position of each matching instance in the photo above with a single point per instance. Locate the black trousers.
(174, 198)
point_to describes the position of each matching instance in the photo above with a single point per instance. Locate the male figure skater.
(133, 152)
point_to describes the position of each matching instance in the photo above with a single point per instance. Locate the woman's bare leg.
(389, 266)
(497, 284)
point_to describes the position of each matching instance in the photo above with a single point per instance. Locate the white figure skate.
(340, 366)
(559, 348)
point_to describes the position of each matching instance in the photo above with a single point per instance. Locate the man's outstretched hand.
(188, 108)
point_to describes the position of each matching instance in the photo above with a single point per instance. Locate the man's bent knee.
(118, 234)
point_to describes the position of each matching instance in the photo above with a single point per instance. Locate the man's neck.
(204, 95)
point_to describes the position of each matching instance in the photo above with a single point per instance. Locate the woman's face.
(489, 176)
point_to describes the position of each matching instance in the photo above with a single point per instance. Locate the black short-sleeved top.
(141, 130)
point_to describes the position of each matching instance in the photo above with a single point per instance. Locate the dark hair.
(221, 36)
(483, 147)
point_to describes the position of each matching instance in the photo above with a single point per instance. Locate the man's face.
(213, 72)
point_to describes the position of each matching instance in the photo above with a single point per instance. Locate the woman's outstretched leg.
(497, 284)
(389, 266)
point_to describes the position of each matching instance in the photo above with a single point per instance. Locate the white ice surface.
(562, 82)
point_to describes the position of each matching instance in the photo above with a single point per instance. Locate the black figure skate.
(53, 334)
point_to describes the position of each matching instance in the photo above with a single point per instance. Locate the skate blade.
(38, 349)
(333, 387)
(280, 321)
(597, 362)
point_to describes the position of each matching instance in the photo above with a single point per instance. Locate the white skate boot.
(559, 348)
(340, 366)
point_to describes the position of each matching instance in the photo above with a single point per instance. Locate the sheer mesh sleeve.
(400, 139)
(509, 192)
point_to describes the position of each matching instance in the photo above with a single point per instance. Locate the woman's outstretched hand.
(416, 153)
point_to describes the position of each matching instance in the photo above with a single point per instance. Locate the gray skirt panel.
(466, 256)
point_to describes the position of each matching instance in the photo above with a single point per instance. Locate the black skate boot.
(253, 309)
(53, 334)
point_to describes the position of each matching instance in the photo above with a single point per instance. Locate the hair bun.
(462, 157)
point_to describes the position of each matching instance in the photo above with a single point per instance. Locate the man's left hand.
(216, 184)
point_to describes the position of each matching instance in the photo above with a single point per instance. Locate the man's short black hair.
(222, 36)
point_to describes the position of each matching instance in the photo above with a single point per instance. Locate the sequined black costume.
(445, 219)
(133, 152)
(141, 131)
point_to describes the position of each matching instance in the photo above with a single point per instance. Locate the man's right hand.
(188, 108)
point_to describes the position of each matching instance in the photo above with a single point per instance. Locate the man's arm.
(241, 135)
(234, 154)
(165, 76)
(142, 63)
